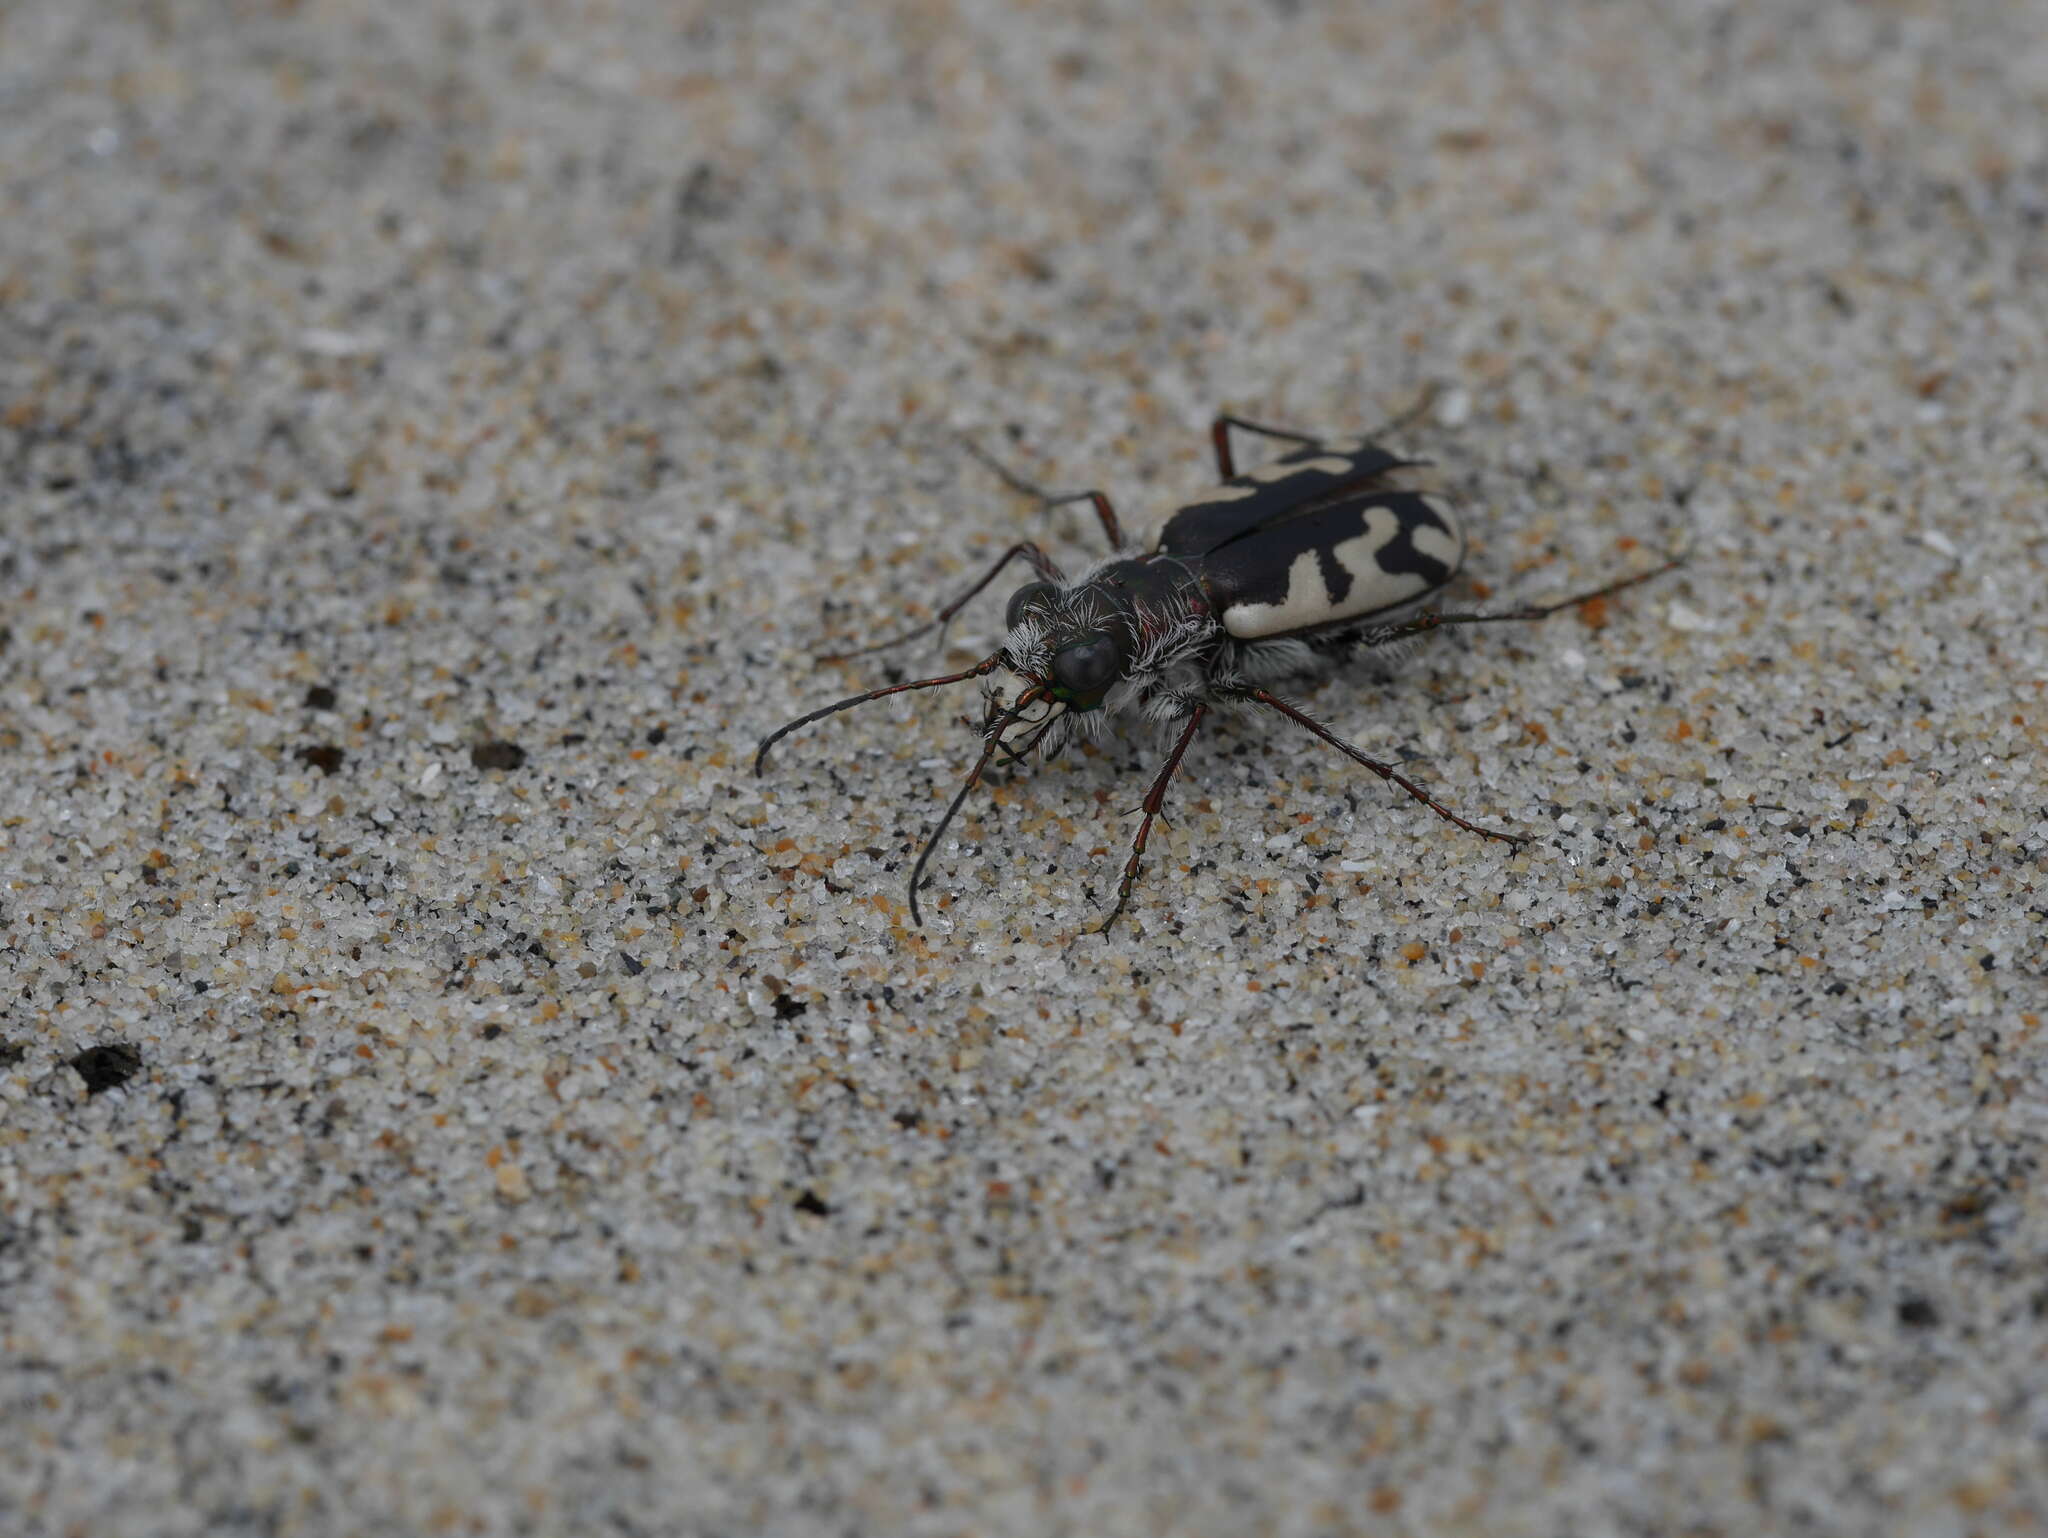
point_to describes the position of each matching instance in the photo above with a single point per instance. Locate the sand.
(443, 1091)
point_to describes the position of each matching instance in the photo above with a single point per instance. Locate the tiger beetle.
(1284, 568)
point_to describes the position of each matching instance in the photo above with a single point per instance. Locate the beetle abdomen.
(1347, 559)
(1272, 493)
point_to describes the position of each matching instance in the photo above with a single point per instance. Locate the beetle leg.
(1154, 799)
(1040, 563)
(1219, 431)
(1049, 500)
(1423, 623)
(1219, 434)
(1386, 772)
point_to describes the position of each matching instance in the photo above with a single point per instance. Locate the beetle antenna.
(992, 740)
(987, 665)
(1047, 569)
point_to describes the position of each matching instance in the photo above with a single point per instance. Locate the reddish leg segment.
(1154, 799)
(1219, 432)
(1049, 500)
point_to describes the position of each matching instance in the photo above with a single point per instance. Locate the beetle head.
(1065, 640)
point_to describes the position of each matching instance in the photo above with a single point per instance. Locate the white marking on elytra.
(1439, 544)
(1250, 483)
(1281, 469)
(1308, 600)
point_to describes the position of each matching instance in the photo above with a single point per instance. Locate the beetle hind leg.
(1424, 623)
(1385, 771)
(1219, 435)
(1226, 464)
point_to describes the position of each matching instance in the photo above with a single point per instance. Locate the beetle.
(1324, 551)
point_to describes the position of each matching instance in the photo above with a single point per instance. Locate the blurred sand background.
(441, 1091)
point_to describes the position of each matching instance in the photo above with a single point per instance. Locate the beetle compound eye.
(1086, 668)
(1024, 599)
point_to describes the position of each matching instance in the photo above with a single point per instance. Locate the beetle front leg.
(1155, 798)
